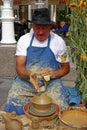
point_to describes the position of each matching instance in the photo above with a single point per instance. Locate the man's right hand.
(34, 81)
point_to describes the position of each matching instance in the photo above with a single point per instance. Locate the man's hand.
(47, 71)
(34, 81)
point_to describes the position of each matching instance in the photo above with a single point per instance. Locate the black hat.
(41, 16)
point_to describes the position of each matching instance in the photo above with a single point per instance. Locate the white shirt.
(57, 45)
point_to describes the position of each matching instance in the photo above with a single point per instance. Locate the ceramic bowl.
(41, 103)
(74, 117)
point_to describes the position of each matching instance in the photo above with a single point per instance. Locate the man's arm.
(23, 72)
(60, 72)
(63, 70)
(21, 69)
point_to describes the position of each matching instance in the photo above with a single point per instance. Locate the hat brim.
(41, 22)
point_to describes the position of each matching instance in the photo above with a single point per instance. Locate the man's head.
(41, 23)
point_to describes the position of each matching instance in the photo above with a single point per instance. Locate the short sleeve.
(22, 45)
(62, 55)
(59, 48)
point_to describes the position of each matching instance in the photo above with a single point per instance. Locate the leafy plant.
(77, 41)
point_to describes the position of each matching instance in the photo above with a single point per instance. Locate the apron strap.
(49, 41)
(31, 40)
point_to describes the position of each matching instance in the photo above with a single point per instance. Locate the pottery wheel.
(39, 113)
(41, 118)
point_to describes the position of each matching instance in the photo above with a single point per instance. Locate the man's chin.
(41, 39)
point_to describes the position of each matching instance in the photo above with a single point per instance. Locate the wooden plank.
(1, 3)
(27, 2)
(53, 2)
(21, 2)
(31, 2)
(17, 2)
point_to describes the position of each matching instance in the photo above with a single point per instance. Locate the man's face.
(41, 31)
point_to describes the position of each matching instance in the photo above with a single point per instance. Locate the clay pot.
(41, 103)
(11, 121)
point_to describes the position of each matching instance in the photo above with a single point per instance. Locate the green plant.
(78, 42)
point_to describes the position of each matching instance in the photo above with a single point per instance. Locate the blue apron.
(22, 90)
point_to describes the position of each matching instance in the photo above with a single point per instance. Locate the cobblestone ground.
(5, 84)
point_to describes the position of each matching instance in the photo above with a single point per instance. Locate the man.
(39, 53)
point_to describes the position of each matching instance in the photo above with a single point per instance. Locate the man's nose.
(41, 31)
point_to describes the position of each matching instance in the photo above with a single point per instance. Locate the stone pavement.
(5, 84)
